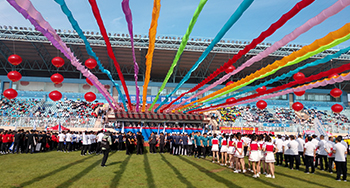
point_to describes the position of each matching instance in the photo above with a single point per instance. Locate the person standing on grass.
(105, 145)
(294, 153)
(340, 152)
(270, 150)
(210, 137)
(224, 149)
(231, 150)
(69, 139)
(215, 148)
(184, 140)
(85, 146)
(254, 155)
(204, 144)
(240, 154)
(315, 142)
(300, 148)
(261, 152)
(30, 142)
(322, 153)
(309, 155)
(177, 139)
(330, 155)
(139, 141)
(279, 146)
(286, 151)
(161, 142)
(128, 143)
(99, 137)
(197, 144)
(190, 144)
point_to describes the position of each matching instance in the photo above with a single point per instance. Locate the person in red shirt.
(1, 135)
(5, 140)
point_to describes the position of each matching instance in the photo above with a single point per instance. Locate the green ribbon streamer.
(181, 49)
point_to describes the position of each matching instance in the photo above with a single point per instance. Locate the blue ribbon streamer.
(233, 19)
(89, 50)
(287, 75)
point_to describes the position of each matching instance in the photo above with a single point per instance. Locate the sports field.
(56, 169)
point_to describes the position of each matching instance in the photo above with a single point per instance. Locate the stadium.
(90, 92)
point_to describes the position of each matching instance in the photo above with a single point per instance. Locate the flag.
(45, 127)
(164, 128)
(183, 129)
(158, 128)
(11, 147)
(59, 127)
(122, 131)
(203, 130)
(15, 126)
(141, 127)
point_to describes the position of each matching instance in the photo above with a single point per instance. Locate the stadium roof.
(37, 52)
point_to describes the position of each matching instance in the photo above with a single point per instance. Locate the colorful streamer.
(235, 16)
(103, 31)
(330, 40)
(181, 49)
(89, 50)
(149, 57)
(128, 18)
(324, 82)
(26, 8)
(289, 74)
(325, 14)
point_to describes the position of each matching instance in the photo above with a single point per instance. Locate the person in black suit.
(31, 142)
(139, 141)
(17, 142)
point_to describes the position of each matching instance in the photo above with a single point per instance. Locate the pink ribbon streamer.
(316, 84)
(26, 8)
(330, 11)
(128, 17)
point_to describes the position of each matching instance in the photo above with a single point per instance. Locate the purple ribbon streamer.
(128, 18)
(26, 8)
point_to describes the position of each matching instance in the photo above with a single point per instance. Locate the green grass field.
(56, 169)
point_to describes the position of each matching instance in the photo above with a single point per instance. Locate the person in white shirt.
(100, 135)
(279, 146)
(90, 142)
(309, 154)
(340, 151)
(68, 141)
(85, 139)
(74, 141)
(61, 140)
(322, 155)
(329, 149)
(294, 153)
(315, 142)
(286, 151)
(301, 147)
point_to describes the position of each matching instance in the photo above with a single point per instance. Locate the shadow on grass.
(119, 173)
(150, 180)
(215, 177)
(299, 179)
(81, 174)
(65, 167)
(177, 172)
(264, 182)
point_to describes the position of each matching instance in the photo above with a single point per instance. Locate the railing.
(41, 122)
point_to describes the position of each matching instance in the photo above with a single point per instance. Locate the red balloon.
(261, 104)
(230, 69)
(337, 108)
(10, 93)
(14, 76)
(90, 63)
(55, 95)
(90, 96)
(333, 75)
(299, 93)
(229, 83)
(336, 92)
(261, 89)
(298, 76)
(57, 62)
(15, 59)
(297, 106)
(57, 78)
(89, 82)
(230, 100)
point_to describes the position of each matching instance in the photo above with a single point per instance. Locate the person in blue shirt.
(184, 140)
(197, 144)
(177, 139)
(204, 144)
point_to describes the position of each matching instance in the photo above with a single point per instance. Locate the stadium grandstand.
(33, 106)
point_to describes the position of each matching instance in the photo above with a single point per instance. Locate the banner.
(151, 98)
(275, 125)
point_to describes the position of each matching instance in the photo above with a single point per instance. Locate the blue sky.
(176, 15)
